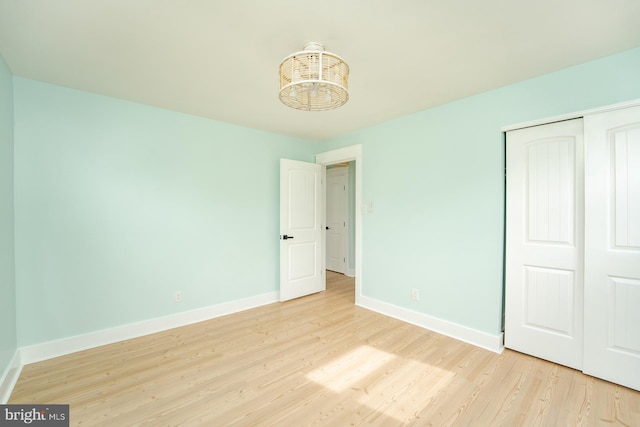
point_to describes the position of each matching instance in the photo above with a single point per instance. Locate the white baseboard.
(10, 377)
(48, 350)
(462, 333)
(351, 272)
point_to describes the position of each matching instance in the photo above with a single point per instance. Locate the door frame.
(569, 116)
(348, 154)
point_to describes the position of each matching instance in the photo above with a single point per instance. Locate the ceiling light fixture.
(314, 80)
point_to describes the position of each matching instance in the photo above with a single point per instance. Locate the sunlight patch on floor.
(391, 385)
(344, 372)
(406, 388)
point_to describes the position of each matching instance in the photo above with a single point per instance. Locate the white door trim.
(574, 115)
(348, 154)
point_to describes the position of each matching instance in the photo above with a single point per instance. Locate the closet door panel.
(544, 280)
(612, 246)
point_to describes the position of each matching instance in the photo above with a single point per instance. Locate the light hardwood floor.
(318, 360)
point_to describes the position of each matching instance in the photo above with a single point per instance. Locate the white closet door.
(612, 252)
(544, 270)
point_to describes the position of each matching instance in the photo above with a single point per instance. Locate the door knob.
(327, 228)
(285, 237)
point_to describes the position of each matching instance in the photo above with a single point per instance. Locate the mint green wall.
(435, 179)
(8, 341)
(118, 205)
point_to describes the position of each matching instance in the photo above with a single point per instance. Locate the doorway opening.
(339, 218)
(351, 155)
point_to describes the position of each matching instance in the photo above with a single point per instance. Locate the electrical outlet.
(178, 296)
(415, 294)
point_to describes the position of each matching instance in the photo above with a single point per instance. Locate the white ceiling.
(220, 59)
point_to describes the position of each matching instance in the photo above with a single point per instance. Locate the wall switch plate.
(178, 296)
(415, 294)
(367, 208)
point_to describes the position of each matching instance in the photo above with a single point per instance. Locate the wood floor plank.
(318, 360)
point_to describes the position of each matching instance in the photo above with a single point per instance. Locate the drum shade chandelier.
(314, 80)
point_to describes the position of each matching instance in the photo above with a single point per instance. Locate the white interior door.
(301, 234)
(337, 215)
(544, 264)
(612, 252)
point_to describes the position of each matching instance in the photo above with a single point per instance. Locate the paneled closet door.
(544, 243)
(612, 246)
